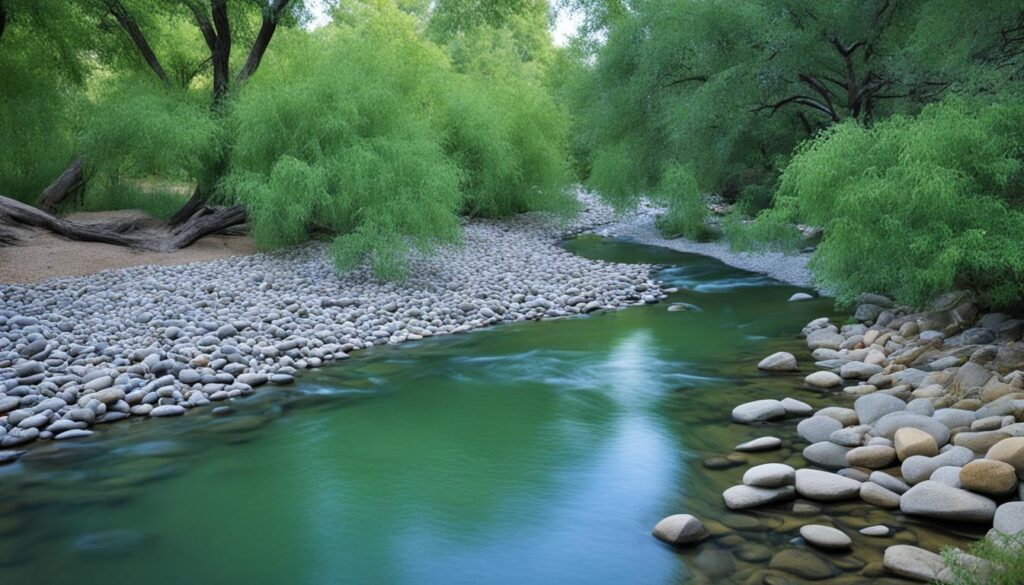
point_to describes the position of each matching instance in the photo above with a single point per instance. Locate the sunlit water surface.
(539, 452)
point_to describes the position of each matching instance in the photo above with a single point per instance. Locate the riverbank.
(639, 227)
(156, 341)
(927, 421)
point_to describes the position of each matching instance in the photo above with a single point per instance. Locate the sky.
(566, 22)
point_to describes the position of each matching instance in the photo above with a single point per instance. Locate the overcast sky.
(566, 22)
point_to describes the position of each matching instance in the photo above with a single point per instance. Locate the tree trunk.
(131, 232)
(71, 180)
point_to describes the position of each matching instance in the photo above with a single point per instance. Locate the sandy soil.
(43, 255)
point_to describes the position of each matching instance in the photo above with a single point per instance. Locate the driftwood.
(71, 180)
(132, 233)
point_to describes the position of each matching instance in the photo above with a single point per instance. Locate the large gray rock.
(1009, 518)
(769, 475)
(954, 417)
(890, 423)
(872, 407)
(827, 454)
(970, 375)
(740, 497)
(680, 529)
(824, 486)
(913, 562)
(825, 537)
(758, 411)
(859, 370)
(818, 428)
(877, 495)
(778, 362)
(824, 338)
(938, 500)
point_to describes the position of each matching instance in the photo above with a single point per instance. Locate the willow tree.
(725, 90)
(131, 36)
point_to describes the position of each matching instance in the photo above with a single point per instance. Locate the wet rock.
(770, 475)
(937, 500)
(167, 410)
(823, 379)
(10, 456)
(803, 563)
(778, 362)
(679, 530)
(758, 411)
(800, 296)
(859, 370)
(989, 477)
(824, 486)
(796, 408)
(741, 497)
(73, 434)
(759, 444)
(825, 537)
(878, 530)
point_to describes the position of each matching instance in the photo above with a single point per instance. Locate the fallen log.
(131, 233)
(70, 181)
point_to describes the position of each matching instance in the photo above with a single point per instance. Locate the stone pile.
(931, 423)
(157, 341)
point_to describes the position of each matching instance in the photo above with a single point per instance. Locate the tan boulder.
(910, 441)
(1009, 451)
(990, 477)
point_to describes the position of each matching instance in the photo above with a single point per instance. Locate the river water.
(540, 452)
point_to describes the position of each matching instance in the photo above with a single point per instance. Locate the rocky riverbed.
(157, 341)
(927, 422)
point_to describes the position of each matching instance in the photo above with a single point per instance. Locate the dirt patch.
(42, 255)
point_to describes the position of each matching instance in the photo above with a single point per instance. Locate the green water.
(539, 452)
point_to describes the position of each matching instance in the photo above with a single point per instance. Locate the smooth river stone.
(824, 486)
(888, 482)
(846, 416)
(778, 362)
(167, 410)
(826, 454)
(874, 406)
(919, 468)
(680, 529)
(818, 428)
(989, 477)
(938, 500)
(913, 562)
(825, 537)
(872, 457)
(823, 379)
(910, 442)
(796, 407)
(759, 444)
(770, 475)
(758, 411)
(740, 497)
(877, 495)
(1009, 451)
(890, 423)
(1009, 518)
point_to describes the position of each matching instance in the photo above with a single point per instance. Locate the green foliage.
(1002, 561)
(915, 205)
(156, 199)
(336, 138)
(728, 89)
(139, 128)
(687, 213)
(40, 95)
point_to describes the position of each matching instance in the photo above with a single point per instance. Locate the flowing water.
(540, 452)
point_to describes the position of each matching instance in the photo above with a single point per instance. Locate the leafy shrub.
(139, 128)
(1002, 561)
(687, 213)
(336, 138)
(915, 205)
